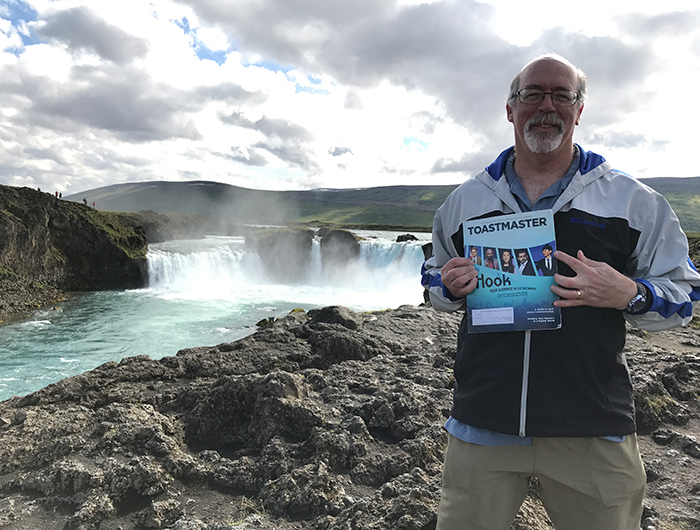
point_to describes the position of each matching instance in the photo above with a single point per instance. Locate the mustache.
(546, 118)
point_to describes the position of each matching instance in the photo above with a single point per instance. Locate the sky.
(307, 94)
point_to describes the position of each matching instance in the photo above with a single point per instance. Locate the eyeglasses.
(561, 98)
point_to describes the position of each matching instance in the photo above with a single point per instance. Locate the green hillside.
(389, 206)
(684, 197)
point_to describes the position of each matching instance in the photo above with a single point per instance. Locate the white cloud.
(213, 38)
(289, 94)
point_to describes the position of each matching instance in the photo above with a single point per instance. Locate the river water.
(201, 293)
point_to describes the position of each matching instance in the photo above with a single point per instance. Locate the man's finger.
(583, 258)
(566, 258)
(577, 264)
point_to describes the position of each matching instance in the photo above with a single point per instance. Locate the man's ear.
(509, 113)
(578, 115)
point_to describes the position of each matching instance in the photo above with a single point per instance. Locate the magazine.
(513, 255)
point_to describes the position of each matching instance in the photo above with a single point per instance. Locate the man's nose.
(547, 102)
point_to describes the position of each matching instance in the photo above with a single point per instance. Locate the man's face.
(545, 127)
(546, 252)
(489, 254)
(473, 252)
(522, 257)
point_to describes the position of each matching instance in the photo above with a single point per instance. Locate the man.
(546, 265)
(524, 265)
(474, 256)
(558, 404)
(490, 260)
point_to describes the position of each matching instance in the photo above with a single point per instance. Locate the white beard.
(544, 142)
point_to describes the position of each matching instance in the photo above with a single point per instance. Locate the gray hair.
(581, 78)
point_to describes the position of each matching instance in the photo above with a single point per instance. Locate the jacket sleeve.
(661, 263)
(443, 251)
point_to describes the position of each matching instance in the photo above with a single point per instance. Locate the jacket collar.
(591, 167)
(588, 161)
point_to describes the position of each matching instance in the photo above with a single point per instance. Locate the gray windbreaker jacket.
(573, 381)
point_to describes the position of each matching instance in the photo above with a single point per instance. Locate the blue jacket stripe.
(424, 277)
(695, 294)
(429, 281)
(667, 309)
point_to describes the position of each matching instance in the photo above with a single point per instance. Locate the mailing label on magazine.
(513, 255)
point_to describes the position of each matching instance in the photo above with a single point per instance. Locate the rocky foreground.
(326, 420)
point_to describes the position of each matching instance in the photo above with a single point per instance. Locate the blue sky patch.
(218, 56)
(200, 49)
(413, 142)
(19, 13)
(272, 66)
(311, 90)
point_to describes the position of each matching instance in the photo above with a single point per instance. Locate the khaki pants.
(585, 483)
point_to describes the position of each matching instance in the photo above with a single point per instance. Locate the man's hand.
(459, 276)
(596, 284)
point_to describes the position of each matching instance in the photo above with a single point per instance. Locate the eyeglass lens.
(533, 96)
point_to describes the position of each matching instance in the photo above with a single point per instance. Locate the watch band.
(639, 303)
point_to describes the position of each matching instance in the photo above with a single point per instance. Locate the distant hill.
(397, 206)
(684, 195)
(406, 206)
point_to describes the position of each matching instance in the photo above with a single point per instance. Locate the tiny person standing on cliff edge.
(557, 404)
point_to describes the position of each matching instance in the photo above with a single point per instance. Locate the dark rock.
(690, 446)
(161, 514)
(676, 380)
(654, 470)
(285, 252)
(655, 406)
(664, 436)
(336, 315)
(406, 237)
(339, 248)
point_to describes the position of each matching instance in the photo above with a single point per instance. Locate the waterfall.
(203, 265)
(225, 265)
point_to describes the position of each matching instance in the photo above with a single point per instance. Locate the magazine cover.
(513, 256)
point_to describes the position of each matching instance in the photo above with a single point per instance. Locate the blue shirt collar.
(550, 196)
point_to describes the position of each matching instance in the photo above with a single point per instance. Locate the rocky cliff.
(326, 420)
(47, 243)
(286, 252)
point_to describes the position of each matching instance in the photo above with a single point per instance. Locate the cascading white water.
(201, 292)
(203, 268)
(224, 268)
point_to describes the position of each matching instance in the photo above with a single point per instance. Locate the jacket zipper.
(526, 377)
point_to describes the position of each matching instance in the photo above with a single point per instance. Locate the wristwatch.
(639, 301)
